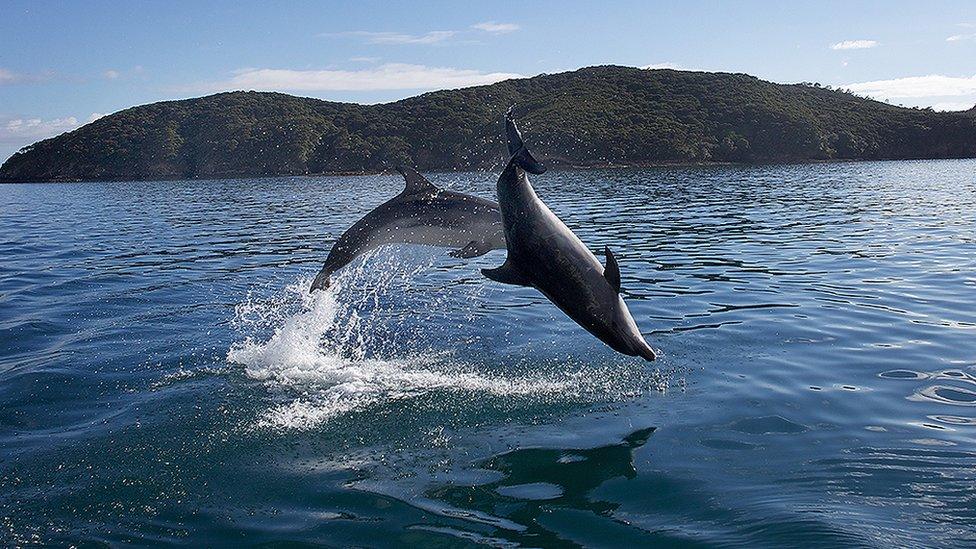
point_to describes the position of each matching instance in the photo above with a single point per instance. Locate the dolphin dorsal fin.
(612, 271)
(416, 183)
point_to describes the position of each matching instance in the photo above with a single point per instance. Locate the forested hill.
(596, 116)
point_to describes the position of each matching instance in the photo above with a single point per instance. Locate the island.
(605, 116)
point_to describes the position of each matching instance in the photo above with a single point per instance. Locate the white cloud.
(665, 65)
(396, 38)
(944, 93)
(960, 37)
(496, 28)
(111, 74)
(24, 131)
(16, 133)
(953, 105)
(854, 45)
(933, 85)
(389, 76)
(680, 67)
(27, 130)
(364, 59)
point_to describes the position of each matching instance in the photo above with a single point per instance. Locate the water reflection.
(536, 480)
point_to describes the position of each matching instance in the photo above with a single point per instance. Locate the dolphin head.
(624, 336)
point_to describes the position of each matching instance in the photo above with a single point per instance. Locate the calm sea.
(164, 378)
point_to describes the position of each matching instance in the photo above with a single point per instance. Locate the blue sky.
(64, 63)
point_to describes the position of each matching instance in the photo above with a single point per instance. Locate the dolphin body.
(543, 253)
(421, 214)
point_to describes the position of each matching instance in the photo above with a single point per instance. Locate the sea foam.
(320, 355)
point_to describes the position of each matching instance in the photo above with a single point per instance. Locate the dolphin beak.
(321, 281)
(647, 353)
(640, 348)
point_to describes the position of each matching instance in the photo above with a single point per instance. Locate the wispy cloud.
(496, 28)
(961, 37)
(11, 77)
(396, 38)
(389, 76)
(854, 45)
(111, 74)
(364, 59)
(8, 77)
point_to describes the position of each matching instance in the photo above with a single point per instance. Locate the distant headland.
(596, 116)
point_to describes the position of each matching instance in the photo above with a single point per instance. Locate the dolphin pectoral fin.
(612, 271)
(472, 249)
(506, 274)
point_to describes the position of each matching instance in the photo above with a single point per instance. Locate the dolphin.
(421, 214)
(544, 254)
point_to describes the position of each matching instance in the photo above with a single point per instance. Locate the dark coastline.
(556, 168)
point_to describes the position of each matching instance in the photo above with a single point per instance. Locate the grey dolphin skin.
(543, 253)
(421, 214)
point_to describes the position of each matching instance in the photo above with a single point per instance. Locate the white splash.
(317, 355)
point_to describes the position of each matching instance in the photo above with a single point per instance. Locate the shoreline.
(555, 167)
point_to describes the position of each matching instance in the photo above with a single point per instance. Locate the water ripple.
(160, 382)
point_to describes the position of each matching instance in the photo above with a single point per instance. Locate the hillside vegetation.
(596, 116)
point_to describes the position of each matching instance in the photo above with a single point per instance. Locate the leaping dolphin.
(421, 214)
(543, 253)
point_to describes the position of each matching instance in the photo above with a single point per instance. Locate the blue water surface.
(165, 378)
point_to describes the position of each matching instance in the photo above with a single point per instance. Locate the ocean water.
(165, 379)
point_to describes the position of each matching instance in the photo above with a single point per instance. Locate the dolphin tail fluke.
(516, 146)
(512, 133)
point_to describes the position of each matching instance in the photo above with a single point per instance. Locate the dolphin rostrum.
(543, 253)
(421, 214)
